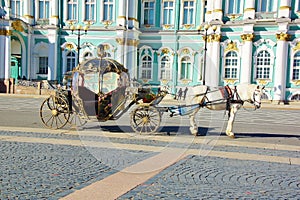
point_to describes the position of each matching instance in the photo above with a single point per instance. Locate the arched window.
(146, 70)
(296, 66)
(71, 61)
(263, 65)
(231, 65)
(165, 70)
(185, 70)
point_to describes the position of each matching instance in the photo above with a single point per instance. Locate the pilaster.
(246, 64)
(249, 11)
(217, 11)
(281, 67)
(284, 9)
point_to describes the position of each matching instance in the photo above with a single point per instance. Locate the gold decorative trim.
(297, 47)
(208, 12)
(121, 17)
(17, 25)
(186, 51)
(185, 81)
(296, 82)
(166, 26)
(231, 47)
(249, 9)
(5, 32)
(164, 81)
(263, 81)
(188, 26)
(54, 16)
(69, 46)
(216, 37)
(29, 16)
(165, 51)
(218, 10)
(283, 36)
(129, 42)
(285, 7)
(230, 80)
(247, 37)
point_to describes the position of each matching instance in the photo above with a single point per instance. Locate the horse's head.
(256, 96)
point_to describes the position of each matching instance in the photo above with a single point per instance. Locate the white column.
(209, 11)
(54, 12)
(249, 11)
(28, 11)
(7, 57)
(213, 77)
(53, 54)
(246, 64)
(122, 12)
(284, 9)
(2, 55)
(281, 67)
(217, 11)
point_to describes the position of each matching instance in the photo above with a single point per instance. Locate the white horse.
(223, 98)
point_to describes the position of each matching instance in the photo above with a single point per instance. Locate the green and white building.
(162, 42)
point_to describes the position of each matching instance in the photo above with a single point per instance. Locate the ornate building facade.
(162, 42)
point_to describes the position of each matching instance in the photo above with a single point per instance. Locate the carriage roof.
(102, 65)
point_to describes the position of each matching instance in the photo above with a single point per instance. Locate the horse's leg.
(194, 126)
(232, 111)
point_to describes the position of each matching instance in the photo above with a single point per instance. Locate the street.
(90, 162)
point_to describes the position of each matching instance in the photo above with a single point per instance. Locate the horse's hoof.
(194, 132)
(230, 134)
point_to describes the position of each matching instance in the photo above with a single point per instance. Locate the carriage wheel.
(145, 119)
(77, 119)
(54, 112)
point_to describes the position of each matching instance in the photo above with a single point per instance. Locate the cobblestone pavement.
(50, 165)
(199, 177)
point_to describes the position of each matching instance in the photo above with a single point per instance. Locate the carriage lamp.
(80, 31)
(203, 30)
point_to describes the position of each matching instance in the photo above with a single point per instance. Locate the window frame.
(45, 12)
(187, 68)
(191, 17)
(163, 8)
(295, 67)
(110, 16)
(166, 67)
(269, 8)
(148, 70)
(237, 10)
(233, 59)
(16, 10)
(70, 59)
(43, 66)
(265, 68)
(90, 10)
(71, 14)
(144, 8)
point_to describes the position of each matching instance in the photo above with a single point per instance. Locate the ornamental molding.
(128, 42)
(248, 37)
(231, 46)
(263, 82)
(230, 81)
(6, 32)
(283, 37)
(296, 82)
(264, 41)
(17, 25)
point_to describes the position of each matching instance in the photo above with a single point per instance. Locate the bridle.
(254, 101)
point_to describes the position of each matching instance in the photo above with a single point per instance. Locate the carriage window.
(185, 72)
(188, 12)
(231, 65)
(168, 12)
(263, 65)
(165, 70)
(108, 10)
(71, 61)
(146, 71)
(72, 9)
(90, 9)
(43, 65)
(110, 82)
(149, 12)
(296, 66)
